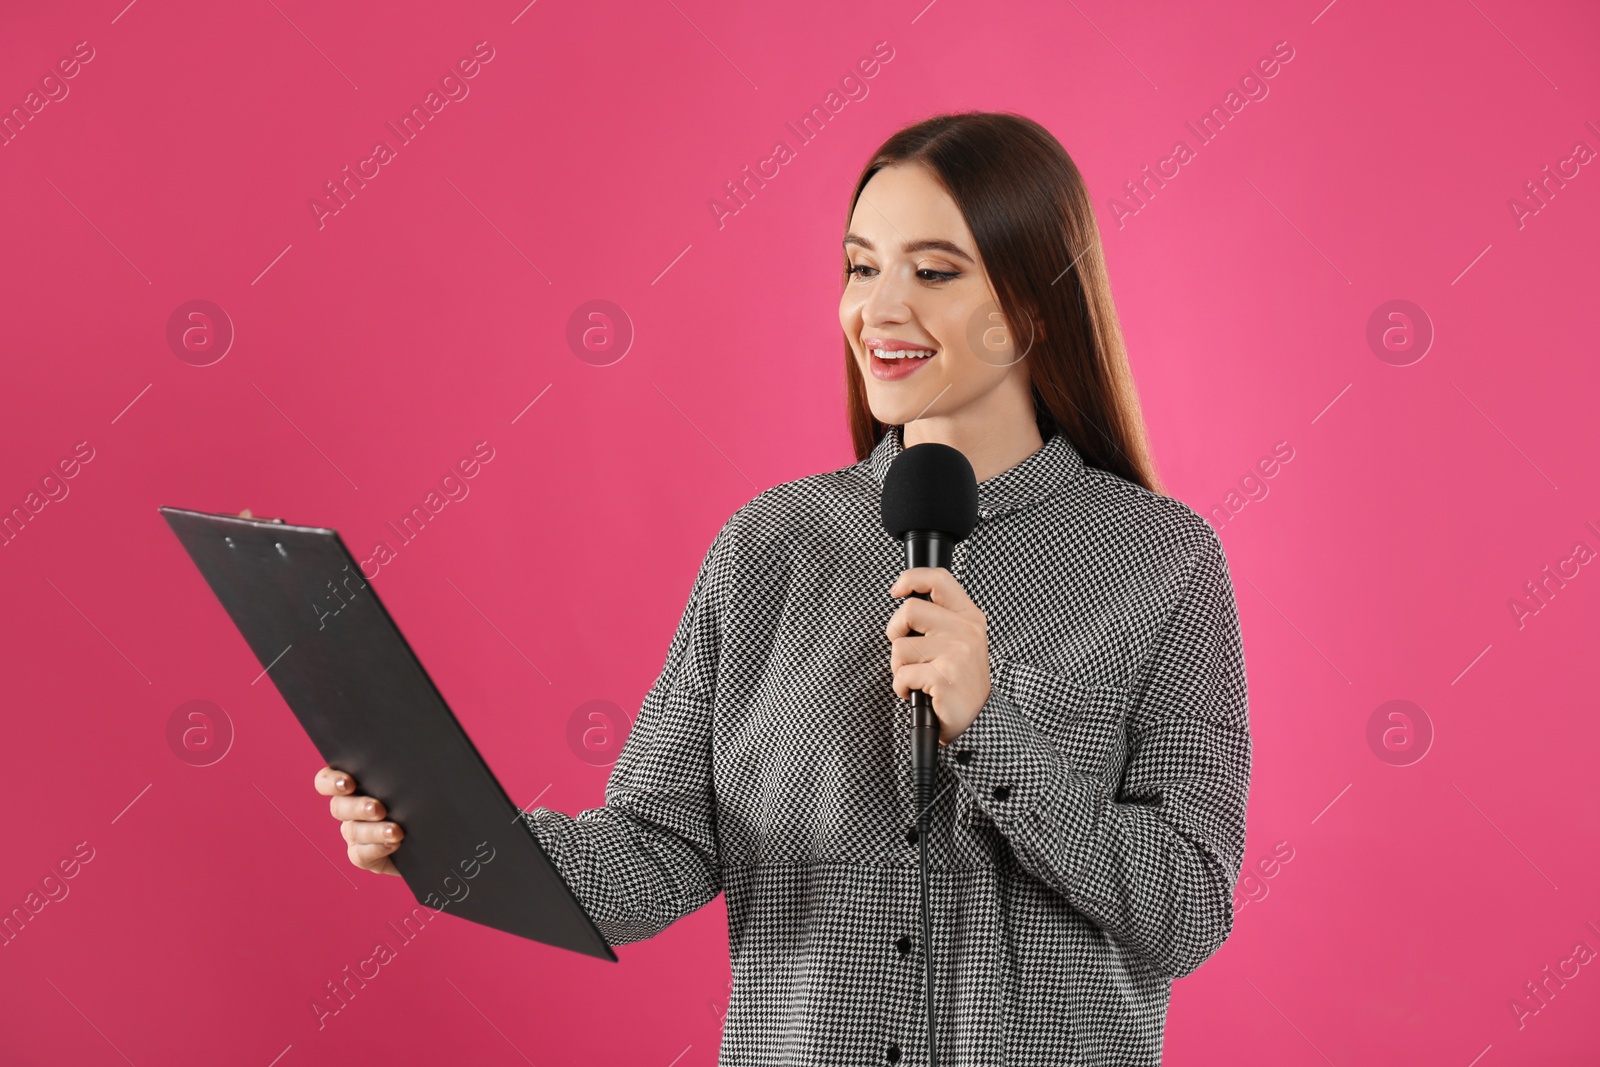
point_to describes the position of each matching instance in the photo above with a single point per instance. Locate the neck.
(992, 446)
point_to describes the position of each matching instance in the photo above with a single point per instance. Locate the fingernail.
(388, 831)
(372, 806)
(341, 783)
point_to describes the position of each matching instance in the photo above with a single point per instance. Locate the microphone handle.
(925, 548)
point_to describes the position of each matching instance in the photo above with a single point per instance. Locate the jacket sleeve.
(649, 855)
(1154, 862)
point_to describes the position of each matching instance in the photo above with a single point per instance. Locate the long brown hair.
(1029, 212)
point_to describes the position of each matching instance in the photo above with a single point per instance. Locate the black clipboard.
(319, 630)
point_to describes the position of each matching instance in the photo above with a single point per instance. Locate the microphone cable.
(924, 763)
(929, 502)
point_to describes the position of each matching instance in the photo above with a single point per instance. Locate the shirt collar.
(1040, 476)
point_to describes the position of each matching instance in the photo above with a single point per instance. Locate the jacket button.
(903, 943)
(911, 837)
(1002, 792)
(894, 1053)
(964, 757)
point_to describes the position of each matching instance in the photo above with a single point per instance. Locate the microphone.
(930, 501)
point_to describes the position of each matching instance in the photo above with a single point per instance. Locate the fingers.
(905, 651)
(936, 582)
(370, 844)
(372, 858)
(331, 782)
(340, 786)
(921, 616)
(387, 834)
(949, 601)
(923, 676)
(365, 809)
(369, 840)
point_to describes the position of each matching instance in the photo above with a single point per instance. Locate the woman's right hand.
(371, 840)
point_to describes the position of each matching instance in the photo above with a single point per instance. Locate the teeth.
(904, 353)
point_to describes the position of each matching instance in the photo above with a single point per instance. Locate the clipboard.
(319, 630)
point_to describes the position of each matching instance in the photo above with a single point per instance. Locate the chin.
(895, 413)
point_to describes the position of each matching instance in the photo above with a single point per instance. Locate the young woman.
(1083, 656)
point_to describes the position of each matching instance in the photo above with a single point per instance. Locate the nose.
(886, 300)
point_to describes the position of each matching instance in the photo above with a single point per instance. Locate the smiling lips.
(893, 360)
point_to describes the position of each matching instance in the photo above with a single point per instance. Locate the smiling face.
(917, 286)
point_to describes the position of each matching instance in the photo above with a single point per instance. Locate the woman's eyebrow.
(929, 244)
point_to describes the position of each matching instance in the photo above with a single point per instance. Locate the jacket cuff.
(1023, 782)
(551, 829)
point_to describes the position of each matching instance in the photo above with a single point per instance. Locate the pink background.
(431, 311)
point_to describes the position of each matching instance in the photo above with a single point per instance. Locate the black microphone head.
(930, 487)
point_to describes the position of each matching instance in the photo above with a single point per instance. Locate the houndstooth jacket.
(1089, 825)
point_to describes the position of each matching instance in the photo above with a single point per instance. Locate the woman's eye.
(927, 274)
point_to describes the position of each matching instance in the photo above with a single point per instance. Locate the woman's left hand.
(950, 661)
